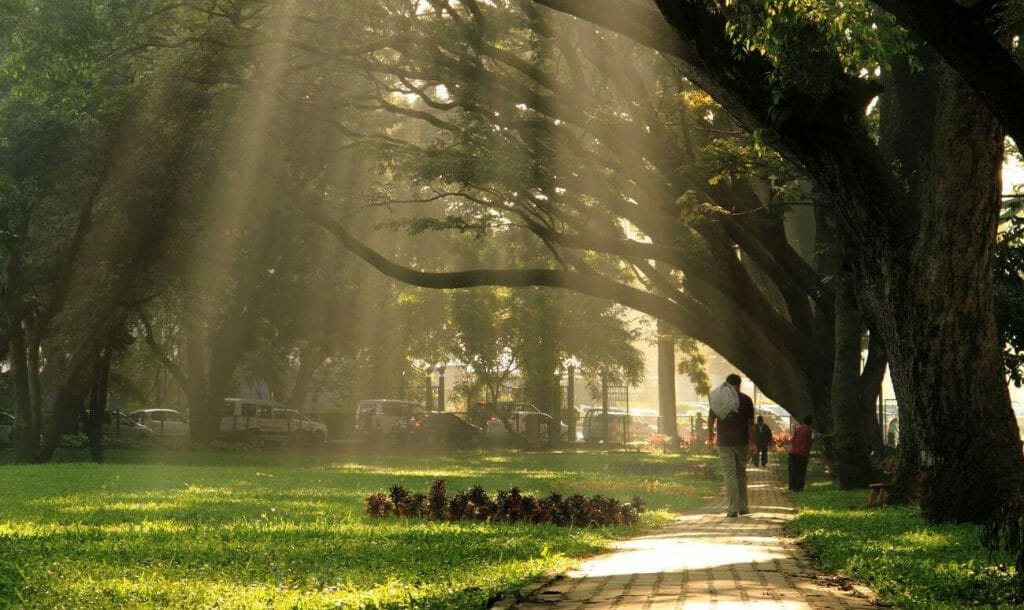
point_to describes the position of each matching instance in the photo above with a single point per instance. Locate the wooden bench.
(879, 494)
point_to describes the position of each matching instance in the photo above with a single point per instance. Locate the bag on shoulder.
(725, 401)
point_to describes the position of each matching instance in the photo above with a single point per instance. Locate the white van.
(380, 416)
(253, 419)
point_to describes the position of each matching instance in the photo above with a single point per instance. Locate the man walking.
(763, 438)
(733, 413)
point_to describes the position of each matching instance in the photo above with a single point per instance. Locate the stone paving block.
(704, 561)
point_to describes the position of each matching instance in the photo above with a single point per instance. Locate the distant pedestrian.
(763, 439)
(733, 412)
(800, 451)
(698, 430)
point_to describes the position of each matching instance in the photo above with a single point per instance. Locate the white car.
(495, 429)
(6, 428)
(313, 431)
(379, 417)
(118, 425)
(254, 419)
(593, 427)
(165, 423)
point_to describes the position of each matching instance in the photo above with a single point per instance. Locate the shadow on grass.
(272, 530)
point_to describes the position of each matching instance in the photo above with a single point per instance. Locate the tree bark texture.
(666, 381)
(225, 356)
(539, 372)
(852, 456)
(98, 406)
(937, 309)
(310, 360)
(25, 447)
(35, 386)
(68, 404)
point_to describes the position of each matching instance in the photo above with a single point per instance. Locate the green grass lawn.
(910, 563)
(162, 529)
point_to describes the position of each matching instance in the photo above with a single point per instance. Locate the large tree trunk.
(870, 389)
(228, 346)
(907, 484)
(69, 401)
(35, 386)
(666, 381)
(940, 329)
(852, 456)
(310, 360)
(194, 379)
(25, 446)
(98, 406)
(540, 387)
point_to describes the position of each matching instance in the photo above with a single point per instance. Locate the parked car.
(119, 425)
(481, 412)
(593, 427)
(313, 432)
(382, 416)
(6, 429)
(165, 423)
(445, 429)
(521, 423)
(253, 420)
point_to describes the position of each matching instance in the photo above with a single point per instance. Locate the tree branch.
(961, 36)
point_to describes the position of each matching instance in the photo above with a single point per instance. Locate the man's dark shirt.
(733, 430)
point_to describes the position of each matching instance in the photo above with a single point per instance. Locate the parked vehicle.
(522, 423)
(119, 425)
(480, 413)
(6, 429)
(255, 420)
(313, 432)
(382, 416)
(593, 427)
(165, 423)
(445, 429)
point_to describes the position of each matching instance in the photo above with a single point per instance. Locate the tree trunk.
(67, 405)
(938, 320)
(35, 387)
(540, 359)
(907, 483)
(310, 360)
(852, 458)
(194, 381)
(666, 381)
(25, 447)
(94, 424)
(870, 389)
(98, 406)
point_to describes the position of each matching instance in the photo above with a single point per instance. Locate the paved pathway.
(704, 560)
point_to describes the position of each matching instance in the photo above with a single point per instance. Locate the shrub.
(482, 505)
(378, 505)
(509, 505)
(437, 501)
